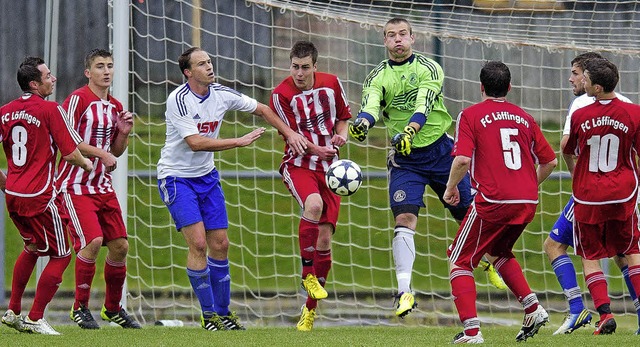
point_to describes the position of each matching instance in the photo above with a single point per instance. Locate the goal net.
(249, 43)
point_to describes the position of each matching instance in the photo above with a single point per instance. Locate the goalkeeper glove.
(359, 129)
(402, 141)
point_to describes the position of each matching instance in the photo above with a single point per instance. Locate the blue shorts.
(562, 231)
(409, 176)
(195, 199)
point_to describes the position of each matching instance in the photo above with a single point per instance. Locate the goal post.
(249, 43)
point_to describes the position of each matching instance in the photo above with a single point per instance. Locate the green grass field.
(335, 336)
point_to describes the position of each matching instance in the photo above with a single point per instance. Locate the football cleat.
(213, 323)
(532, 323)
(15, 321)
(464, 338)
(83, 317)
(606, 325)
(574, 321)
(306, 319)
(41, 326)
(232, 322)
(492, 273)
(121, 318)
(406, 303)
(314, 288)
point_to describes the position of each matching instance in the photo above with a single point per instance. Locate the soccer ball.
(344, 177)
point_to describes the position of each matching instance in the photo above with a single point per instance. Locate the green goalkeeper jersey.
(402, 89)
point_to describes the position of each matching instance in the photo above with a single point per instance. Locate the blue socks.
(632, 292)
(202, 287)
(220, 284)
(566, 274)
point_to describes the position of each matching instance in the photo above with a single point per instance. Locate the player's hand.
(250, 137)
(359, 129)
(403, 141)
(124, 122)
(338, 140)
(451, 196)
(109, 160)
(297, 143)
(87, 165)
(326, 153)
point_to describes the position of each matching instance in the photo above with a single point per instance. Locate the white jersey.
(190, 114)
(580, 102)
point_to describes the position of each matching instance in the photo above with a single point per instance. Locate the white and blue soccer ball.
(344, 177)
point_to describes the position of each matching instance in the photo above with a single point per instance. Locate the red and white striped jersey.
(95, 120)
(32, 130)
(312, 113)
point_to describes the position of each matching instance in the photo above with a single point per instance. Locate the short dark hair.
(185, 58)
(28, 71)
(602, 72)
(397, 20)
(495, 77)
(581, 58)
(96, 52)
(302, 49)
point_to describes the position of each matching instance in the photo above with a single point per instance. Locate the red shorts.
(304, 182)
(604, 240)
(44, 227)
(91, 216)
(477, 237)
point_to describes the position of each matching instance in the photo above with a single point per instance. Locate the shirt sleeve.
(372, 92)
(182, 122)
(65, 137)
(431, 80)
(464, 142)
(541, 148)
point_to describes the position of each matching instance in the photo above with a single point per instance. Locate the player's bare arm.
(339, 139)
(459, 168)
(199, 143)
(108, 159)
(124, 123)
(296, 141)
(569, 159)
(76, 158)
(3, 181)
(324, 153)
(544, 170)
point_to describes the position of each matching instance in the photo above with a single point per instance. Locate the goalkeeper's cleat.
(15, 321)
(121, 318)
(306, 319)
(406, 303)
(232, 322)
(41, 326)
(606, 325)
(213, 323)
(532, 323)
(574, 321)
(83, 317)
(494, 276)
(464, 338)
(313, 287)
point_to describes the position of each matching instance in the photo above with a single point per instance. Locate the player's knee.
(118, 249)
(313, 209)
(553, 248)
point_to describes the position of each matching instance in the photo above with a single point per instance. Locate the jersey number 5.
(18, 149)
(510, 149)
(603, 152)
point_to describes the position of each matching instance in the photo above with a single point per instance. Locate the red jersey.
(31, 132)
(606, 138)
(312, 113)
(95, 120)
(504, 144)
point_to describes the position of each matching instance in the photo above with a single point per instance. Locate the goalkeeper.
(408, 89)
